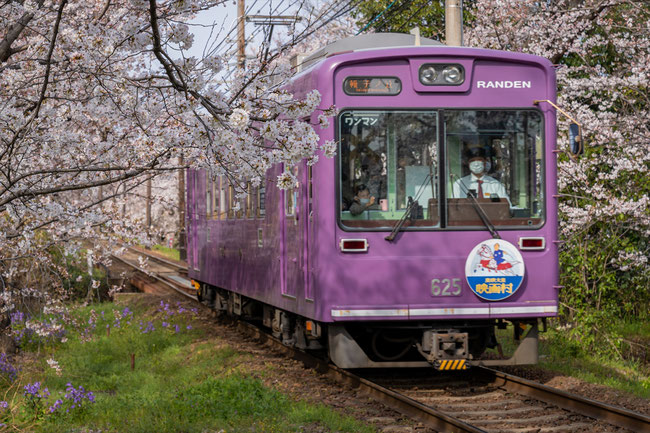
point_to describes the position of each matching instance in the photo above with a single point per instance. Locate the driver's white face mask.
(476, 167)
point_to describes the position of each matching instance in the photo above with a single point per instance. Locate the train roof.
(372, 41)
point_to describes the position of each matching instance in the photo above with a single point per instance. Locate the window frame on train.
(519, 220)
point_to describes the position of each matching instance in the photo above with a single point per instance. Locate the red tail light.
(532, 243)
(354, 245)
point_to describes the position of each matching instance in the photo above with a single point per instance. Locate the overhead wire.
(335, 11)
(226, 45)
(377, 17)
(231, 47)
(424, 3)
(388, 16)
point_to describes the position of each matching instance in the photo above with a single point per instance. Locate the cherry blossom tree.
(602, 49)
(99, 97)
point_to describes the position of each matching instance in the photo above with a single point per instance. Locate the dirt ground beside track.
(570, 384)
(292, 378)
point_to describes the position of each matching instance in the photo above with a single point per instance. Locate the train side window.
(208, 195)
(223, 208)
(215, 197)
(231, 200)
(241, 213)
(261, 201)
(249, 201)
(310, 191)
(291, 198)
(289, 202)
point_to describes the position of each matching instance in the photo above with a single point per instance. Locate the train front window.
(388, 160)
(497, 157)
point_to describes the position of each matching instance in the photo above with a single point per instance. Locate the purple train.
(434, 225)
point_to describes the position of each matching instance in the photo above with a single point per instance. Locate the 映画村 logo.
(494, 269)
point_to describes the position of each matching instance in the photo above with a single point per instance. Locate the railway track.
(479, 400)
(155, 274)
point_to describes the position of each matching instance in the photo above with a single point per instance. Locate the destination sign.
(372, 86)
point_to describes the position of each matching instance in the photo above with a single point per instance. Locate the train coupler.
(446, 349)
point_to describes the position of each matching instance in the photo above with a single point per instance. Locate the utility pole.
(270, 20)
(241, 36)
(454, 22)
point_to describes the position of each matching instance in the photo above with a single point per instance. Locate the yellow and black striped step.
(451, 364)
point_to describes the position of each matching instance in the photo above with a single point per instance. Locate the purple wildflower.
(4, 404)
(17, 317)
(177, 329)
(77, 396)
(57, 404)
(6, 369)
(33, 389)
(189, 327)
(165, 308)
(149, 328)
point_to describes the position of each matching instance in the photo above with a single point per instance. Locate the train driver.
(362, 199)
(482, 185)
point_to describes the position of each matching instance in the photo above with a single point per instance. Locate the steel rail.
(157, 258)
(431, 417)
(620, 417)
(157, 278)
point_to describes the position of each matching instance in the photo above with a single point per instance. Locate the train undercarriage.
(444, 345)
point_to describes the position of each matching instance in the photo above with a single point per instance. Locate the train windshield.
(388, 158)
(392, 163)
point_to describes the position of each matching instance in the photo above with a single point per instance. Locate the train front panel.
(437, 218)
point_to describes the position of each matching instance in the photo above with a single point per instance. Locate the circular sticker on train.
(494, 269)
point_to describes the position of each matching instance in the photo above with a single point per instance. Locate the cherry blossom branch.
(13, 33)
(48, 60)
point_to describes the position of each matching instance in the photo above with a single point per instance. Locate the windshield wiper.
(479, 210)
(412, 205)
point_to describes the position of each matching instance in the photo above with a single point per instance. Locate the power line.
(386, 19)
(375, 18)
(424, 3)
(336, 10)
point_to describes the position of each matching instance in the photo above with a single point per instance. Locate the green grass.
(559, 352)
(172, 253)
(182, 382)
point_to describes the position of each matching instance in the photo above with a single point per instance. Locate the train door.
(193, 222)
(294, 225)
(309, 229)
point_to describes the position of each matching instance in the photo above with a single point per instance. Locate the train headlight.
(428, 75)
(441, 74)
(453, 74)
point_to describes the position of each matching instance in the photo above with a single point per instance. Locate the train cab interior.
(406, 162)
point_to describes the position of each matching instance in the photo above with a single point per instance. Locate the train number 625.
(445, 287)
